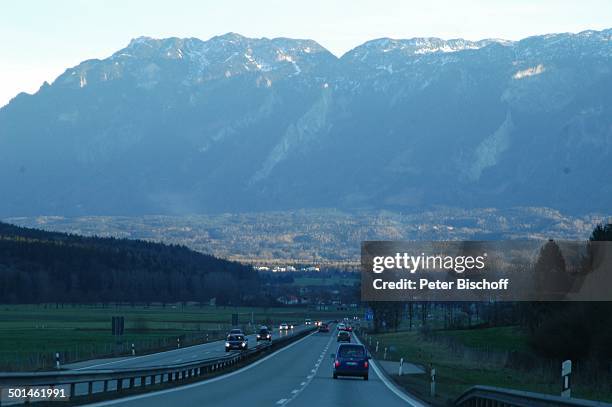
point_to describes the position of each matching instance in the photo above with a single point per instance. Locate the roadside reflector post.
(376, 346)
(385, 355)
(133, 350)
(178, 342)
(57, 360)
(401, 367)
(433, 383)
(566, 372)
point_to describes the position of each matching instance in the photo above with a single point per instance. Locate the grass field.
(325, 281)
(456, 371)
(31, 334)
(507, 338)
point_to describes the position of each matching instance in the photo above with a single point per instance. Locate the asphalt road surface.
(171, 357)
(299, 375)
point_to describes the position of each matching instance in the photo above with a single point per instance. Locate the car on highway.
(351, 360)
(264, 334)
(343, 336)
(348, 328)
(236, 331)
(307, 321)
(285, 327)
(236, 342)
(341, 326)
(323, 327)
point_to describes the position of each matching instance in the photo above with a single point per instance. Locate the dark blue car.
(351, 360)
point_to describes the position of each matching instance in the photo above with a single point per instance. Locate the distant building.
(288, 300)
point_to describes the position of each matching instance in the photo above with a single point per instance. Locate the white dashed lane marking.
(303, 385)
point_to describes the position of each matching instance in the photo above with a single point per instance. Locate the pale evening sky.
(40, 39)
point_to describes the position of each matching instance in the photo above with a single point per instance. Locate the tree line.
(580, 331)
(41, 267)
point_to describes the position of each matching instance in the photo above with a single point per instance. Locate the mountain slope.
(234, 124)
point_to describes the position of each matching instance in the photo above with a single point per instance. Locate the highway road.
(299, 375)
(172, 357)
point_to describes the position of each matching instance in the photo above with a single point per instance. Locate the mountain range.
(231, 124)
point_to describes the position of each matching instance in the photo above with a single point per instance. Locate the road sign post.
(118, 325)
(432, 389)
(566, 371)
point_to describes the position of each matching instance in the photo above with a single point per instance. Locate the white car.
(341, 327)
(283, 327)
(307, 322)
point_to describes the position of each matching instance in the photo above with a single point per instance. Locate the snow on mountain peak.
(419, 46)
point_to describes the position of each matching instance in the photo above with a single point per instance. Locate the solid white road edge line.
(202, 383)
(391, 386)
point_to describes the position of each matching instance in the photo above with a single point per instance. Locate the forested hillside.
(38, 266)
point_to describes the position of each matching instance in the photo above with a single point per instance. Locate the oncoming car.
(323, 327)
(351, 360)
(236, 342)
(285, 327)
(264, 334)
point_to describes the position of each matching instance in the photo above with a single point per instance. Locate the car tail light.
(337, 364)
(366, 364)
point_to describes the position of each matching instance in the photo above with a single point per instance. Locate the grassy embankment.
(464, 358)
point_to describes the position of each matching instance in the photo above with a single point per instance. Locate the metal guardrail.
(488, 396)
(131, 378)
